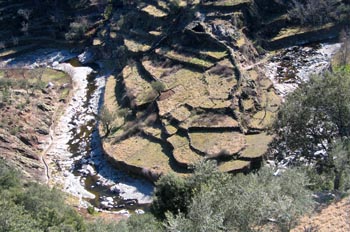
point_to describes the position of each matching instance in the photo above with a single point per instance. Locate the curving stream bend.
(74, 158)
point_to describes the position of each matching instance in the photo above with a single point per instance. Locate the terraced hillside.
(188, 85)
(187, 90)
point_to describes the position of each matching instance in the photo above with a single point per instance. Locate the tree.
(47, 207)
(158, 86)
(106, 118)
(144, 223)
(245, 202)
(33, 207)
(171, 194)
(9, 178)
(340, 156)
(313, 12)
(345, 50)
(314, 123)
(14, 218)
(77, 29)
(103, 226)
(25, 14)
(313, 116)
(141, 223)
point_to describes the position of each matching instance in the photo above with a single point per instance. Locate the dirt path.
(43, 154)
(334, 218)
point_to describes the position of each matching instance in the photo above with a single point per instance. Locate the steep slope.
(27, 25)
(334, 217)
(29, 99)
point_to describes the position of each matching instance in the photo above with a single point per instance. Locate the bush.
(244, 202)
(108, 11)
(77, 29)
(9, 178)
(47, 207)
(144, 223)
(171, 194)
(91, 210)
(33, 207)
(103, 226)
(158, 86)
(14, 218)
(139, 223)
(313, 12)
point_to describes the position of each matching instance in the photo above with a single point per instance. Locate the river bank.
(73, 152)
(86, 174)
(291, 66)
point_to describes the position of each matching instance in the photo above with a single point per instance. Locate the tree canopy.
(314, 115)
(222, 202)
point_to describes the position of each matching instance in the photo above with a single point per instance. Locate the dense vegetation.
(29, 206)
(221, 202)
(33, 207)
(313, 125)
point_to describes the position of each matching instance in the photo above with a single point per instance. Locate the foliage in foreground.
(206, 201)
(222, 202)
(139, 223)
(33, 207)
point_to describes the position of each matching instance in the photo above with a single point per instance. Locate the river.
(74, 154)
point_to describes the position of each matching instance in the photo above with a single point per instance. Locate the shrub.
(223, 202)
(171, 194)
(91, 210)
(103, 226)
(108, 11)
(158, 86)
(313, 12)
(9, 177)
(123, 112)
(33, 207)
(77, 29)
(144, 223)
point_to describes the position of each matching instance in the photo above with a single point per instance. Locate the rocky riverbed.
(74, 154)
(291, 66)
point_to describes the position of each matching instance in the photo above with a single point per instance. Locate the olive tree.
(224, 202)
(340, 155)
(314, 115)
(314, 123)
(106, 118)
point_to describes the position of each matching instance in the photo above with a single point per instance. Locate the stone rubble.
(294, 65)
